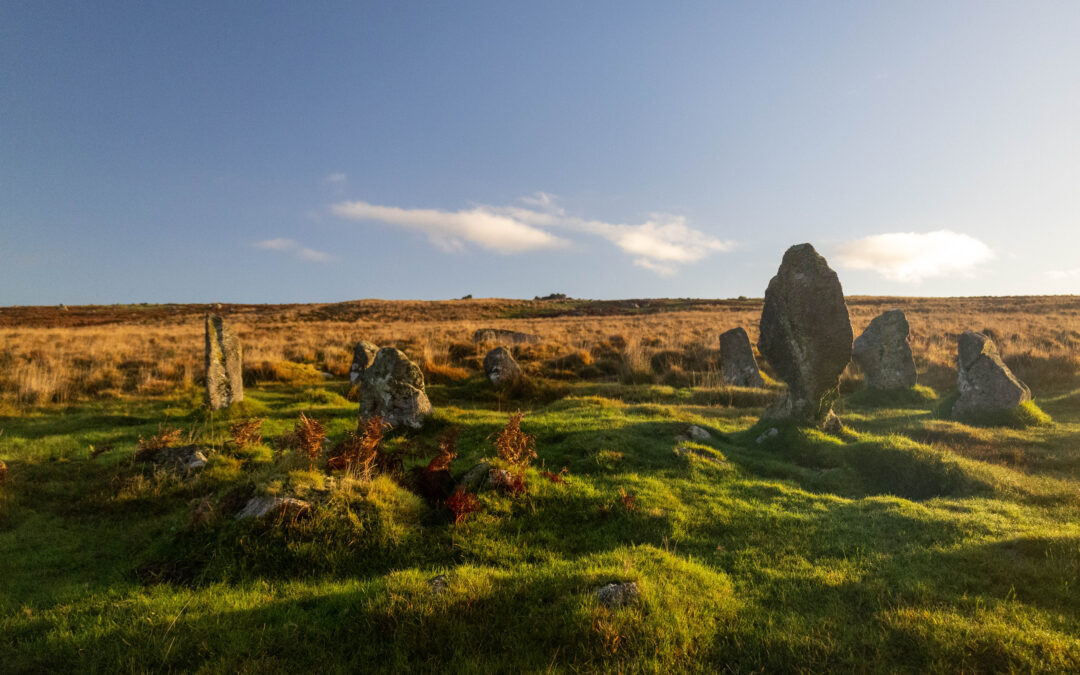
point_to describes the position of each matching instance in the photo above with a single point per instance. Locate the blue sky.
(291, 152)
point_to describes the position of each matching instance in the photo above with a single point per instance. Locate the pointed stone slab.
(224, 364)
(883, 352)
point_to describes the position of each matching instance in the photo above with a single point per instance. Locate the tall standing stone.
(224, 364)
(392, 387)
(805, 336)
(363, 355)
(883, 352)
(738, 367)
(985, 383)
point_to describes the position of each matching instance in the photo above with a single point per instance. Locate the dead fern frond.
(461, 504)
(246, 432)
(99, 450)
(556, 477)
(513, 445)
(447, 452)
(310, 434)
(3, 472)
(629, 501)
(357, 452)
(164, 438)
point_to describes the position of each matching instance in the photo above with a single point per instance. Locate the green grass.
(909, 543)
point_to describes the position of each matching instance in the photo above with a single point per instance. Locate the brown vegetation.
(310, 434)
(54, 355)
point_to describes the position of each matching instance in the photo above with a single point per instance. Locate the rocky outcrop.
(262, 507)
(984, 382)
(224, 364)
(883, 353)
(363, 355)
(501, 368)
(738, 367)
(501, 336)
(805, 336)
(181, 459)
(392, 387)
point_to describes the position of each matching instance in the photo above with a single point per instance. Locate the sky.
(317, 152)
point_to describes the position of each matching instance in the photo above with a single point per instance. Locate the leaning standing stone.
(738, 367)
(224, 364)
(883, 352)
(985, 383)
(363, 354)
(501, 368)
(392, 387)
(805, 335)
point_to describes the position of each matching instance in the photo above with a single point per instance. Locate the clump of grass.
(310, 434)
(461, 504)
(246, 432)
(359, 451)
(1026, 415)
(917, 396)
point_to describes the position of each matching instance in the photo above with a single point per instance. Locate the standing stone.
(392, 387)
(985, 383)
(510, 337)
(501, 368)
(363, 354)
(737, 364)
(805, 336)
(883, 352)
(224, 364)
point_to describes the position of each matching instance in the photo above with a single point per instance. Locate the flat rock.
(180, 459)
(985, 383)
(883, 352)
(224, 364)
(738, 367)
(696, 433)
(363, 355)
(501, 368)
(393, 388)
(500, 335)
(805, 335)
(617, 595)
(262, 507)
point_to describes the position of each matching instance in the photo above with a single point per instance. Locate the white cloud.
(336, 178)
(293, 248)
(659, 244)
(1064, 274)
(914, 256)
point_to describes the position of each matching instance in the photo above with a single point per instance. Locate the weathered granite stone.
(883, 352)
(738, 367)
(696, 433)
(985, 383)
(224, 364)
(501, 368)
(392, 387)
(262, 507)
(614, 595)
(805, 335)
(500, 335)
(363, 354)
(180, 459)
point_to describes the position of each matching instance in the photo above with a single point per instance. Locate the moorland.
(909, 542)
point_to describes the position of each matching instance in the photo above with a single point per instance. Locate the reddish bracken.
(310, 434)
(556, 477)
(629, 501)
(359, 451)
(461, 504)
(246, 432)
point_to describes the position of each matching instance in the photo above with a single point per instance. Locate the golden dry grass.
(61, 355)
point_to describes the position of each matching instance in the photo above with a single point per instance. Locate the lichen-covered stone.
(392, 387)
(501, 368)
(615, 595)
(984, 382)
(501, 335)
(263, 507)
(805, 335)
(363, 355)
(224, 364)
(183, 459)
(883, 352)
(738, 367)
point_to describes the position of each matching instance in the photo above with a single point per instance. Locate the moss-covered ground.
(909, 543)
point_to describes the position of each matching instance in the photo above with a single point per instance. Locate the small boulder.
(501, 368)
(224, 364)
(985, 383)
(180, 459)
(363, 355)
(805, 335)
(738, 367)
(616, 595)
(696, 433)
(475, 478)
(392, 387)
(883, 352)
(503, 336)
(439, 584)
(767, 435)
(262, 507)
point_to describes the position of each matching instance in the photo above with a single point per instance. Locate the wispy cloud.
(336, 178)
(914, 256)
(1064, 274)
(659, 244)
(294, 249)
